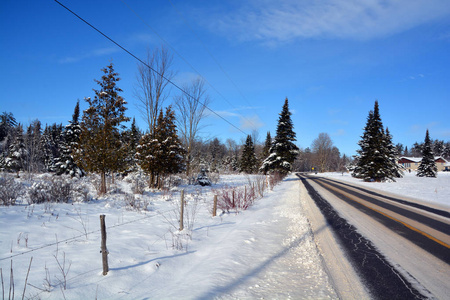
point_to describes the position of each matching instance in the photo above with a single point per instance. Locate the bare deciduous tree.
(322, 148)
(151, 88)
(191, 107)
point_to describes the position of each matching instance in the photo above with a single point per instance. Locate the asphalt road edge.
(345, 280)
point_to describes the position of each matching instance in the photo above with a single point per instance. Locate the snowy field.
(266, 251)
(434, 191)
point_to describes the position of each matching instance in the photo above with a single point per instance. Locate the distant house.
(447, 167)
(412, 163)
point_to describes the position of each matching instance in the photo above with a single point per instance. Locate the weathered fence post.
(104, 250)
(215, 206)
(182, 211)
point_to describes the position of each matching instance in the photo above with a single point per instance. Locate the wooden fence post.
(104, 250)
(215, 206)
(182, 211)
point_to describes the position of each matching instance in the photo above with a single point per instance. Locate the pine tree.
(70, 138)
(52, 142)
(427, 167)
(131, 137)
(266, 149)
(393, 156)
(100, 148)
(161, 153)
(374, 160)
(16, 159)
(283, 150)
(7, 123)
(248, 159)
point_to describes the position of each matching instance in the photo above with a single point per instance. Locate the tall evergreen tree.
(283, 150)
(427, 167)
(373, 160)
(7, 123)
(100, 148)
(16, 159)
(52, 142)
(266, 149)
(131, 137)
(65, 164)
(248, 159)
(393, 156)
(160, 153)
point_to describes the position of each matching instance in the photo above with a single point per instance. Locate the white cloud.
(250, 122)
(287, 20)
(94, 53)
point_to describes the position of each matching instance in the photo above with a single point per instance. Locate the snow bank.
(428, 190)
(266, 251)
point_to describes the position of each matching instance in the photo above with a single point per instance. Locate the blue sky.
(332, 59)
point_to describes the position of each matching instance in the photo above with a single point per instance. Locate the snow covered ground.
(267, 251)
(434, 191)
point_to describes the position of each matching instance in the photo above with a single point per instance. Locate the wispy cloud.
(246, 122)
(287, 20)
(130, 42)
(91, 54)
(250, 122)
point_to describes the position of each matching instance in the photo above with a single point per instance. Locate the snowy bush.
(131, 203)
(58, 189)
(9, 190)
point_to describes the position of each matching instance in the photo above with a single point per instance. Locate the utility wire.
(82, 235)
(210, 54)
(185, 60)
(142, 62)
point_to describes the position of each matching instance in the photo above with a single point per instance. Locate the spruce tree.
(374, 160)
(160, 153)
(131, 137)
(248, 159)
(266, 149)
(393, 156)
(427, 167)
(16, 159)
(70, 139)
(52, 143)
(283, 151)
(100, 149)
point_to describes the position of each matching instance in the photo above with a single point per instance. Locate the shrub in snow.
(202, 178)
(9, 190)
(235, 198)
(58, 189)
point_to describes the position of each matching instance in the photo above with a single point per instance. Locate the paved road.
(399, 248)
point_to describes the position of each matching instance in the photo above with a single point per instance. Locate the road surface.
(400, 249)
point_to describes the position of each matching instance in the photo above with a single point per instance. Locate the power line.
(211, 55)
(142, 62)
(186, 61)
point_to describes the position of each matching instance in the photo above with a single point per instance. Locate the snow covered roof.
(419, 159)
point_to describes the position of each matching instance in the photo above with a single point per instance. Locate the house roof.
(419, 159)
